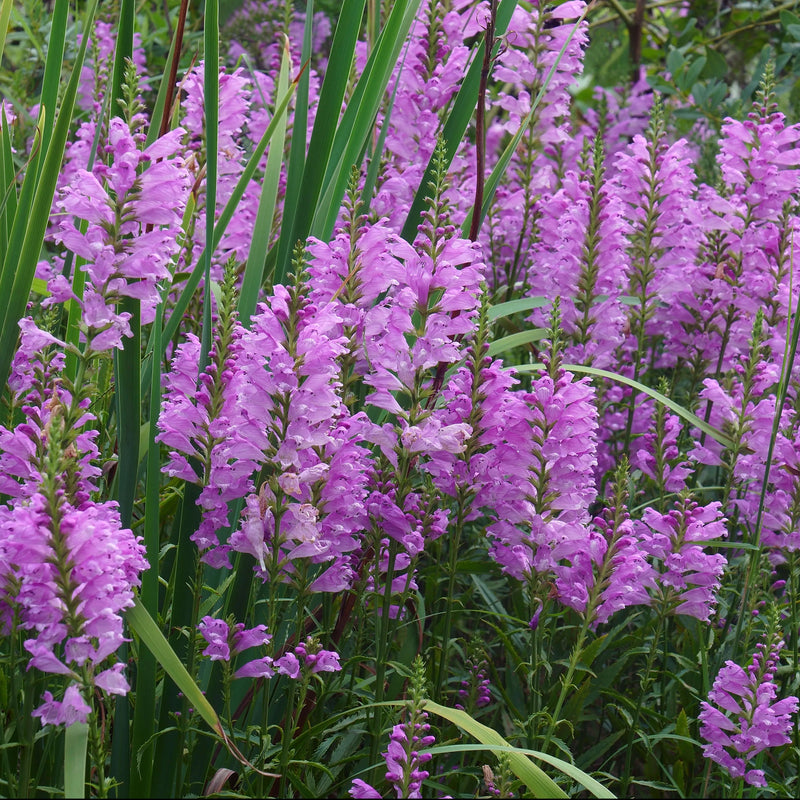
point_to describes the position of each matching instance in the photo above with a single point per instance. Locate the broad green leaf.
(76, 740)
(511, 307)
(570, 770)
(537, 781)
(146, 629)
(678, 409)
(516, 340)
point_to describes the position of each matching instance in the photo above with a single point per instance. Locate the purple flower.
(688, 576)
(403, 759)
(73, 708)
(66, 558)
(223, 639)
(288, 665)
(742, 718)
(360, 790)
(215, 632)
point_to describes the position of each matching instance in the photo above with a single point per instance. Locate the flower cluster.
(742, 717)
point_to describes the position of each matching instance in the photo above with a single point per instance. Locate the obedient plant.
(533, 482)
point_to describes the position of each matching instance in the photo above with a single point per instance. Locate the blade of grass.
(358, 119)
(211, 106)
(5, 15)
(122, 52)
(277, 257)
(76, 741)
(516, 340)
(19, 223)
(678, 409)
(331, 95)
(257, 257)
(27, 236)
(457, 120)
(8, 181)
(145, 710)
(168, 762)
(54, 63)
(578, 775)
(127, 369)
(159, 122)
(539, 784)
(511, 307)
(150, 634)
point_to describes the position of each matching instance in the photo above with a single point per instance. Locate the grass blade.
(147, 630)
(578, 775)
(278, 257)
(511, 307)
(5, 16)
(538, 782)
(337, 75)
(51, 82)
(257, 257)
(516, 340)
(76, 741)
(145, 711)
(357, 121)
(676, 408)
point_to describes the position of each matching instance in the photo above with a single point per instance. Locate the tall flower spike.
(742, 717)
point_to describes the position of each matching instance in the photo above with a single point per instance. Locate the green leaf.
(678, 409)
(147, 630)
(356, 124)
(790, 21)
(538, 782)
(51, 82)
(674, 62)
(693, 73)
(76, 739)
(334, 84)
(257, 257)
(511, 307)
(5, 15)
(516, 340)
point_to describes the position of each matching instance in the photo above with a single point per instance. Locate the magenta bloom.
(689, 576)
(742, 717)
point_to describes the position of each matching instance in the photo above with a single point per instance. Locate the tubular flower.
(742, 718)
